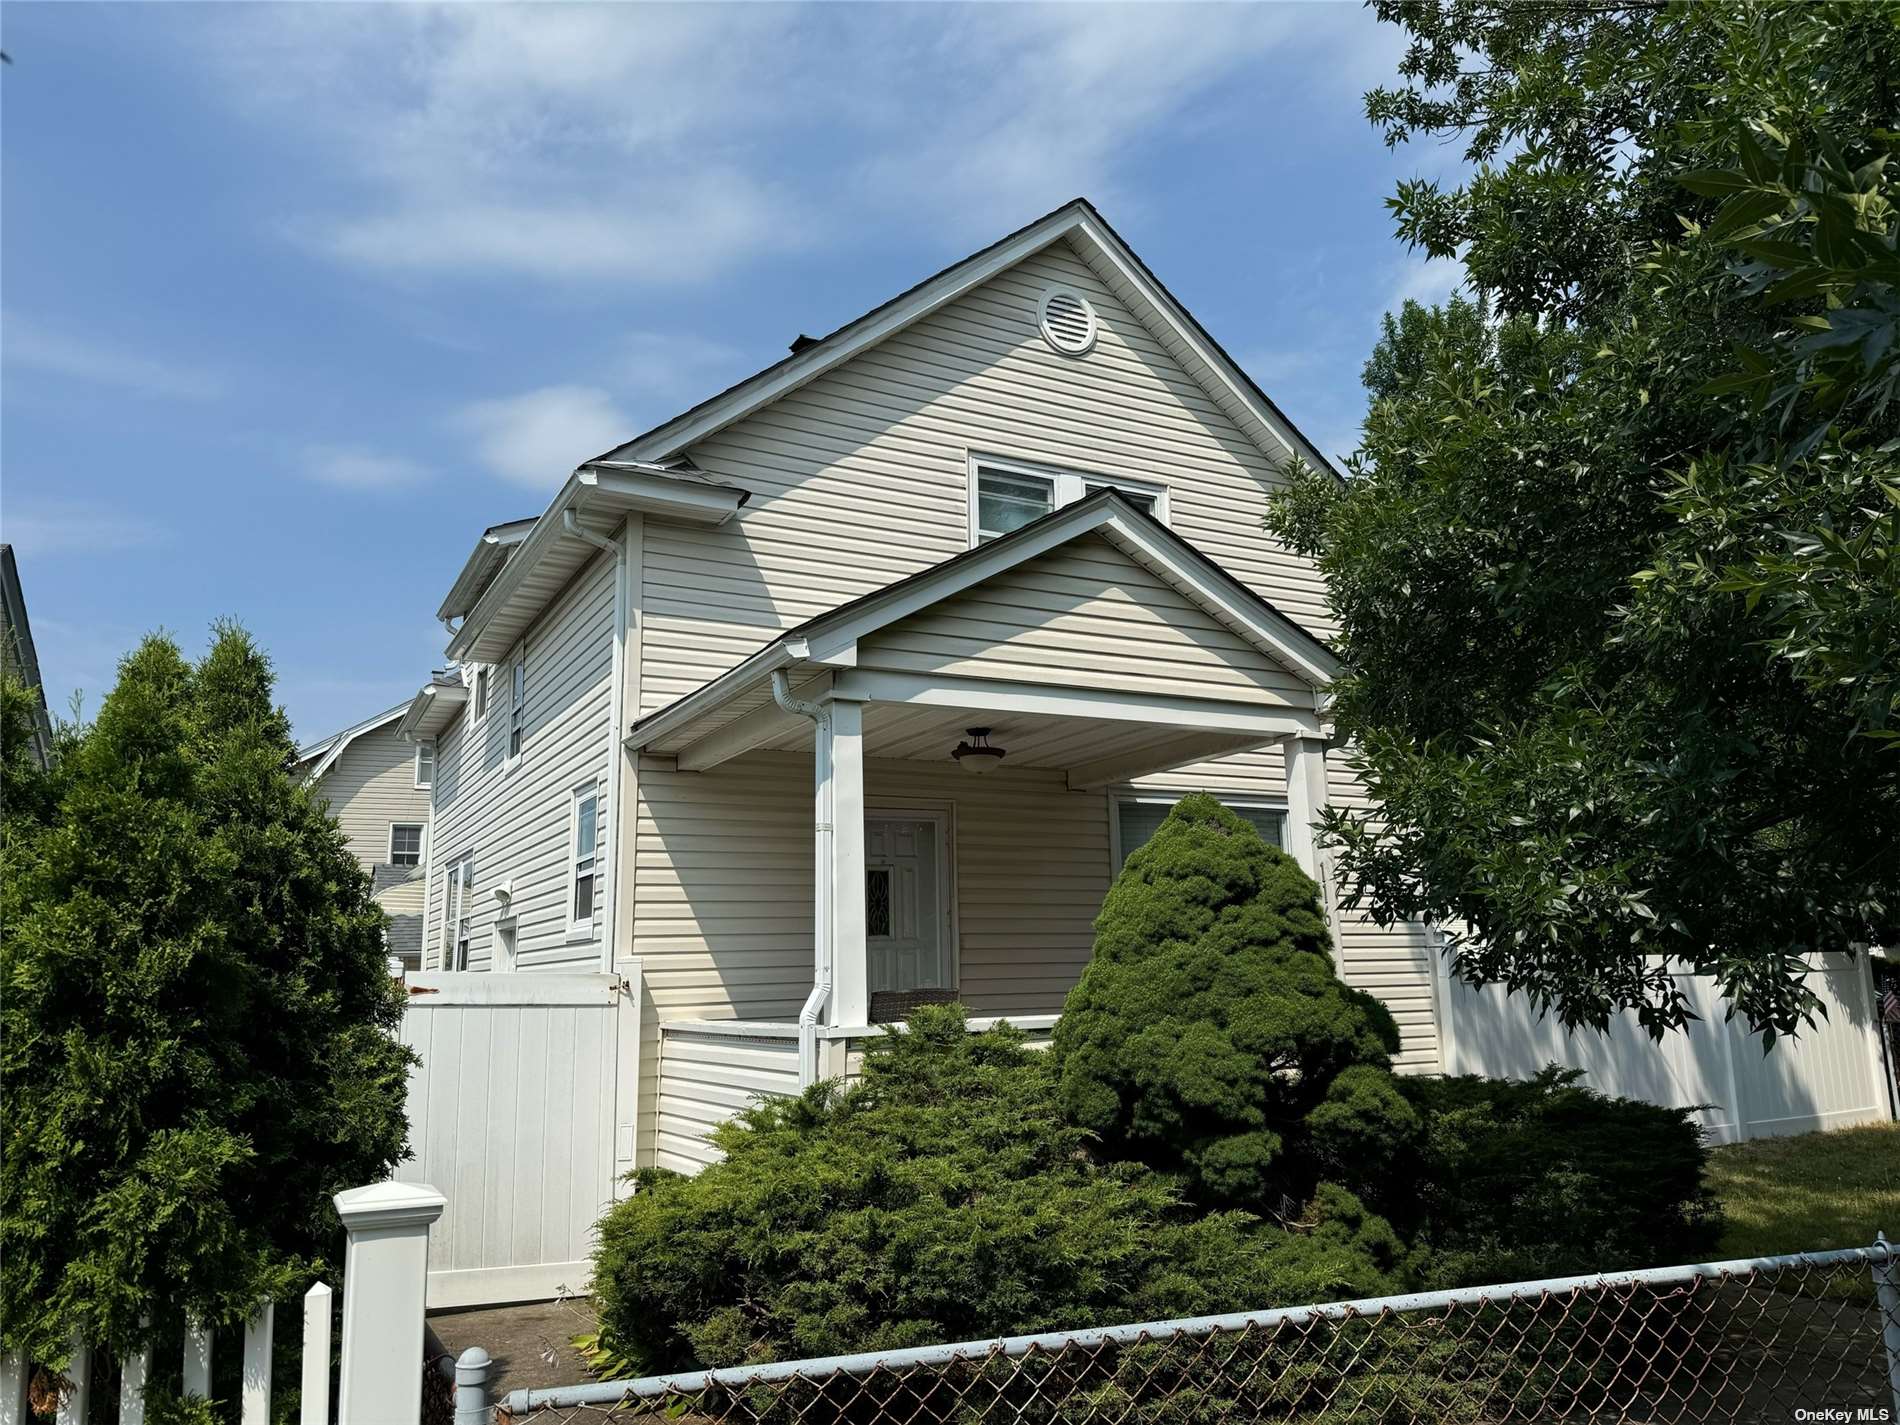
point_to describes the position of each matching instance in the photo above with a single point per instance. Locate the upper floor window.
(583, 841)
(425, 764)
(517, 705)
(405, 844)
(1005, 497)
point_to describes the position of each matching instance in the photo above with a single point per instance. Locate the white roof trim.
(432, 708)
(333, 746)
(1077, 221)
(832, 638)
(603, 488)
(490, 552)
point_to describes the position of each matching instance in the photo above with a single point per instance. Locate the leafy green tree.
(943, 1198)
(1209, 1036)
(195, 1012)
(1614, 567)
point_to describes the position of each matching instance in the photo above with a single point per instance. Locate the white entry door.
(906, 901)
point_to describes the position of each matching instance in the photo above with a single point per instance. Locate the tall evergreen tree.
(1615, 566)
(195, 1007)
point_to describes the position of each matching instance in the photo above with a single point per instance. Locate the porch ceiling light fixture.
(977, 755)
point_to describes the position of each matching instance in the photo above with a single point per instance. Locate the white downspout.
(821, 875)
(608, 901)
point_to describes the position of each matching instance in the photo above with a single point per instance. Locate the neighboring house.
(856, 683)
(18, 656)
(378, 787)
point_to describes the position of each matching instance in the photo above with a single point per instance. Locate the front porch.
(1094, 648)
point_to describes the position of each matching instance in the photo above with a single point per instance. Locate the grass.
(1809, 1193)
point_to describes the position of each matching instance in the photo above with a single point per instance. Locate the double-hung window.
(457, 913)
(425, 764)
(583, 861)
(405, 844)
(1138, 818)
(1005, 496)
(517, 705)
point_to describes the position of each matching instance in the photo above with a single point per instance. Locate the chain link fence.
(1811, 1337)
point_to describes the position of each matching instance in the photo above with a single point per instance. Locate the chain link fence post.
(1887, 1296)
(472, 1403)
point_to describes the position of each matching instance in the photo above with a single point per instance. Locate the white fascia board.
(1233, 383)
(334, 746)
(609, 490)
(433, 708)
(490, 551)
(693, 426)
(1262, 723)
(656, 727)
(738, 737)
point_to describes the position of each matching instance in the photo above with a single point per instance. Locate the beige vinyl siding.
(723, 887)
(515, 819)
(371, 786)
(1085, 615)
(861, 477)
(706, 1079)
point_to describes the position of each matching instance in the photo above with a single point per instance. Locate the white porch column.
(1305, 800)
(851, 992)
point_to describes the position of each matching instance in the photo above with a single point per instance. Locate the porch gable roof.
(830, 641)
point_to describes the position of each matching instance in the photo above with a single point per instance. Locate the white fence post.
(316, 1356)
(385, 1287)
(135, 1373)
(254, 1392)
(76, 1404)
(197, 1377)
(14, 1370)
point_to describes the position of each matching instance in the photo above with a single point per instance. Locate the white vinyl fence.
(1831, 1076)
(521, 1110)
(380, 1377)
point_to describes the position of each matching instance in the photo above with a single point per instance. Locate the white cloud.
(43, 527)
(1428, 280)
(352, 467)
(102, 364)
(668, 143)
(537, 438)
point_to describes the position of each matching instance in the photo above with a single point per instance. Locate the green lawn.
(1810, 1193)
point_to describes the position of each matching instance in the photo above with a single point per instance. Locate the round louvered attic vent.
(1067, 319)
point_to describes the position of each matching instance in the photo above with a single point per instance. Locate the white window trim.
(481, 693)
(582, 929)
(1115, 800)
(428, 742)
(1066, 486)
(457, 877)
(422, 842)
(517, 666)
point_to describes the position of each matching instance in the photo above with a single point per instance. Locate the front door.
(906, 907)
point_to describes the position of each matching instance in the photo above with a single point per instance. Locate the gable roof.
(832, 636)
(1106, 254)
(484, 562)
(326, 751)
(19, 655)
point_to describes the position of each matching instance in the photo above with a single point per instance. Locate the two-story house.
(378, 787)
(860, 679)
(855, 684)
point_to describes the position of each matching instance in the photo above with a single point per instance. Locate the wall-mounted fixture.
(977, 755)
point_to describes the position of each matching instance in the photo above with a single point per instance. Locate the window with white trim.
(1138, 818)
(425, 764)
(583, 861)
(517, 705)
(1005, 496)
(456, 917)
(405, 843)
(481, 692)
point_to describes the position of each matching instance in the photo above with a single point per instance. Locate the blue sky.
(299, 298)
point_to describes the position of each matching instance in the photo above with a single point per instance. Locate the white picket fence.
(379, 1380)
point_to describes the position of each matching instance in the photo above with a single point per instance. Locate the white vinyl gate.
(519, 1113)
(1830, 1076)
